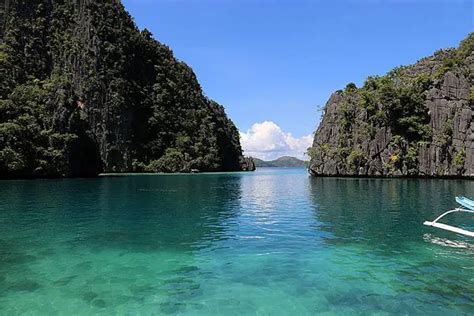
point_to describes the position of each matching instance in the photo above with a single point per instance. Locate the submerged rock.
(172, 307)
(64, 280)
(99, 303)
(24, 286)
(89, 296)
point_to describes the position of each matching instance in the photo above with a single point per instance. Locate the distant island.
(282, 162)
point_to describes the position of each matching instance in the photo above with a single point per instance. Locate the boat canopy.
(464, 201)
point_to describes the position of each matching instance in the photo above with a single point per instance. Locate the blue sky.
(277, 61)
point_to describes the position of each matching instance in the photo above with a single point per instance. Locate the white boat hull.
(449, 227)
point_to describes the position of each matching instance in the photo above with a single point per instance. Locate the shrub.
(467, 46)
(356, 159)
(423, 81)
(368, 101)
(444, 137)
(449, 63)
(172, 161)
(460, 158)
(351, 87)
(315, 153)
(3, 53)
(11, 160)
(411, 159)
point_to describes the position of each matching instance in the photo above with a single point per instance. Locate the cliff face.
(84, 91)
(414, 121)
(249, 164)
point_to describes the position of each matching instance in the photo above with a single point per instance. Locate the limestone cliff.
(249, 164)
(82, 90)
(415, 121)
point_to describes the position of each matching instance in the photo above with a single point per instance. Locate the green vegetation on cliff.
(415, 120)
(82, 90)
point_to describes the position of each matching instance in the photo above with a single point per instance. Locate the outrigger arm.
(449, 227)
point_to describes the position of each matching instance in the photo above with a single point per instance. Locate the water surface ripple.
(273, 242)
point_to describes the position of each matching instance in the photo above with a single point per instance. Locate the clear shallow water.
(273, 242)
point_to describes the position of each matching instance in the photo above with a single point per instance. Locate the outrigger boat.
(469, 208)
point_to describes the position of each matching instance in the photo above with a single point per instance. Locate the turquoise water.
(273, 242)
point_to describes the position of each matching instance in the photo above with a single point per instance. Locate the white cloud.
(267, 141)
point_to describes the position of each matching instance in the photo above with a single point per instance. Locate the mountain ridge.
(281, 162)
